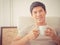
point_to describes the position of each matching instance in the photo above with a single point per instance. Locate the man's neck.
(40, 23)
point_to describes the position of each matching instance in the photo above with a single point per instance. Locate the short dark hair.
(36, 4)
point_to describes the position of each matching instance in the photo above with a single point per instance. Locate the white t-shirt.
(41, 40)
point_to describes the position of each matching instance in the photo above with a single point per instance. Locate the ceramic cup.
(42, 29)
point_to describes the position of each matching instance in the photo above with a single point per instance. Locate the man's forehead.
(37, 8)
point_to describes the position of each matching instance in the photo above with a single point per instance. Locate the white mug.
(42, 29)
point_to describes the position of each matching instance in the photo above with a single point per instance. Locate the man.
(38, 12)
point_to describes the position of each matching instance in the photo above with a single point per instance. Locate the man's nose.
(38, 14)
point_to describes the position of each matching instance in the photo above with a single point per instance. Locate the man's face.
(38, 14)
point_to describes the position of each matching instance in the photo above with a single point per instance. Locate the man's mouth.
(39, 18)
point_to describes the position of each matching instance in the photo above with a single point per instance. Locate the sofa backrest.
(26, 21)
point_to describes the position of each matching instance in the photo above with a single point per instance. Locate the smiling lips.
(39, 18)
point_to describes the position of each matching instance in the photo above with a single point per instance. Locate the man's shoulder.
(25, 30)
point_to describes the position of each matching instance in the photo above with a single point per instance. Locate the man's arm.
(52, 34)
(22, 41)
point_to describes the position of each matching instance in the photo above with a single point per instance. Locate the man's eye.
(35, 12)
(40, 11)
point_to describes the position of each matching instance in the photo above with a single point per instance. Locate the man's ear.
(46, 12)
(31, 14)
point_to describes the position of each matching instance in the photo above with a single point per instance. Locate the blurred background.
(11, 10)
(16, 13)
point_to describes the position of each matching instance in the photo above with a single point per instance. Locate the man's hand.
(51, 33)
(33, 34)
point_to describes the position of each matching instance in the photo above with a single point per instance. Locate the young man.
(31, 33)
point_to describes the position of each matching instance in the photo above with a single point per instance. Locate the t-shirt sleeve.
(22, 32)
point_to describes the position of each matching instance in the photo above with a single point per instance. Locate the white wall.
(11, 10)
(6, 13)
